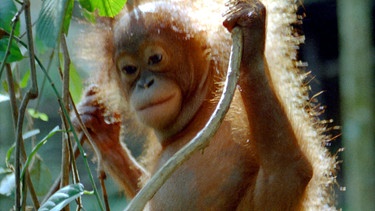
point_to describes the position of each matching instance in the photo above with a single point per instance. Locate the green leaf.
(41, 176)
(63, 197)
(108, 8)
(87, 5)
(7, 11)
(5, 86)
(76, 85)
(15, 53)
(9, 153)
(89, 16)
(68, 16)
(37, 147)
(37, 115)
(43, 117)
(88, 10)
(25, 79)
(51, 21)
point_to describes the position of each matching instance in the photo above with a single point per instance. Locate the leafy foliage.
(109, 8)
(76, 84)
(51, 21)
(15, 53)
(7, 11)
(36, 148)
(37, 115)
(54, 18)
(63, 197)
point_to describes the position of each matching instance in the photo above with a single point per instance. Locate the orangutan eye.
(155, 59)
(129, 69)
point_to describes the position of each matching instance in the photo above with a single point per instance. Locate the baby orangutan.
(169, 70)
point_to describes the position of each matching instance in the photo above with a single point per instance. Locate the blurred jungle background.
(339, 50)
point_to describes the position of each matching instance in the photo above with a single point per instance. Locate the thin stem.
(65, 157)
(66, 113)
(102, 177)
(11, 36)
(32, 93)
(13, 102)
(12, 94)
(79, 145)
(57, 182)
(67, 143)
(30, 42)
